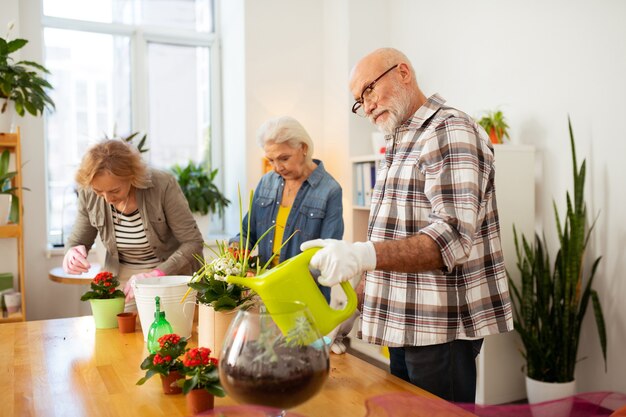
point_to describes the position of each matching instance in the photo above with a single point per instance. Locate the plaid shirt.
(438, 179)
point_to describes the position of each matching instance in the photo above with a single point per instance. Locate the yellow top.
(279, 230)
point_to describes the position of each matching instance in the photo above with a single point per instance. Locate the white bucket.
(171, 289)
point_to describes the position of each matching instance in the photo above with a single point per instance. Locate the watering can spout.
(292, 281)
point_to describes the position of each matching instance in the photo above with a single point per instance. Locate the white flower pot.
(204, 223)
(7, 119)
(5, 208)
(212, 327)
(550, 399)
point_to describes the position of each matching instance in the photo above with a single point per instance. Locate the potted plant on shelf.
(9, 201)
(21, 85)
(495, 125)
(202, 380)
(106, 300)
(551, 301)
(166, 362)
(201, 191)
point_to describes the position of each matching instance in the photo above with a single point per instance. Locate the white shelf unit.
(500, 379)
(499, 365)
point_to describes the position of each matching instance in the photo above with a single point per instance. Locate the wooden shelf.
(10, 230)
(12, 318)
(11, 142)
(8, 140)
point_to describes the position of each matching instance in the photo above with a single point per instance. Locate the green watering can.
(292, 281)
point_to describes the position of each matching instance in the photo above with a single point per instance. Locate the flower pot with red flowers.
(106, 300)
(202, 380)
(166, 362)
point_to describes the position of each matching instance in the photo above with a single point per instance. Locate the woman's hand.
(75, 260)
(128, 289)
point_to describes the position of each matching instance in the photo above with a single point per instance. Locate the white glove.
(338, 260)
(340, 332)
(75, 260)
(128, 288)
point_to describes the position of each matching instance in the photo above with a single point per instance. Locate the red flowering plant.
(200, 370)
(166, 359)
(103, 287)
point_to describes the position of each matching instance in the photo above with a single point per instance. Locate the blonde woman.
(140, 213)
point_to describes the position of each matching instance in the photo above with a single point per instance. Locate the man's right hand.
(339, 260)
(75, 260)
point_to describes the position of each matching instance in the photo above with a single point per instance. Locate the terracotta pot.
(199, 400)
(126, 322)
(168, 382)
(494, 136)
(212, 327)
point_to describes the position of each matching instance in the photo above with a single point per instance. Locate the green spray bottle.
(159, 327)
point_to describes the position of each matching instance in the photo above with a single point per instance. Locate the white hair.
(285, 129)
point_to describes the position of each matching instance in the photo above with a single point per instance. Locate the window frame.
(139, 38)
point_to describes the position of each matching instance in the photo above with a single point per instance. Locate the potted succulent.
(106, 300)
(551, 300)
(21, 84)
(495, 125)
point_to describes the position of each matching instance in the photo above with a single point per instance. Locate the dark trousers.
(447, 370)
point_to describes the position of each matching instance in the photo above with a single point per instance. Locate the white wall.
(538, 61)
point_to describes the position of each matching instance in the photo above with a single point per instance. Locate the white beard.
(397, 112)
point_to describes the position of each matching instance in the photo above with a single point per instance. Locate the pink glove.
(128, 289)
(75, 260)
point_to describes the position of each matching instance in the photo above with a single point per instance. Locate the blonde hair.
(285, 129)
(116, 157)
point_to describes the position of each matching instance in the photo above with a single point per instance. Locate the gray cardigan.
(170, 228)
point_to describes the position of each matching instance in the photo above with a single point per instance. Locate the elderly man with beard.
(434, 282)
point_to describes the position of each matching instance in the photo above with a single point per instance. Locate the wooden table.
(59, 275)
(65, 368)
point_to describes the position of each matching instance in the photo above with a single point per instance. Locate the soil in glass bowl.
(283, 378)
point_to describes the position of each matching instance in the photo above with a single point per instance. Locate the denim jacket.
(316, 212)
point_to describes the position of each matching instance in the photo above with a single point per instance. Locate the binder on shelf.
(359, 186)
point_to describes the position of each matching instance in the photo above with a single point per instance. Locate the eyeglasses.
(368, 94)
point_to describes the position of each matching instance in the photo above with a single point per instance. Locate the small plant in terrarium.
(274, 359)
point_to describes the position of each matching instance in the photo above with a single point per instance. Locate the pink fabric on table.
(589, 404)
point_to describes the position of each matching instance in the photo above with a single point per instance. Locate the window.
(121, 66)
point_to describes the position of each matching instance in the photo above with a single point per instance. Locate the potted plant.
(200, 190)
(202, 381)
(551, 300)
(106, 300)
(217, 299)
(8, 196)
(21, 84)
(495, 125)
(166, 362)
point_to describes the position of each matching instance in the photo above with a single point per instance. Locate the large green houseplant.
(21, 82)
(200, 189)
(550, 302)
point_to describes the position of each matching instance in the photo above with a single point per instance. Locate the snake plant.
(549, 304)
